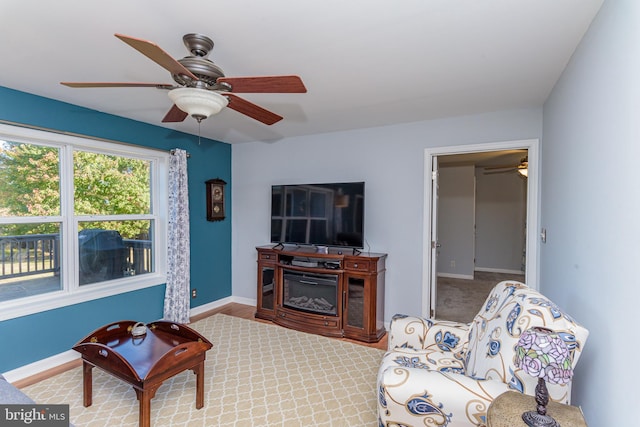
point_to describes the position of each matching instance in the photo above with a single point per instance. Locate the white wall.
(456, 211)
(501, 204)
(591, 207)
(391, 162)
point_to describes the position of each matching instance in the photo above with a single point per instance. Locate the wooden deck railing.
(40, 253)
(28, 254)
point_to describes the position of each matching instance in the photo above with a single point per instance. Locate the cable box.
(301, 263)
(332, 265)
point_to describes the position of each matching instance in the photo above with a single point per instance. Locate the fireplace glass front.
(313, 293)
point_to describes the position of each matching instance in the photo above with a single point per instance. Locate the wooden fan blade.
(500, 171)
(157, 55)
(252, 110)
(501, 167)
(265, 84)
(174, 115)
(115, 84)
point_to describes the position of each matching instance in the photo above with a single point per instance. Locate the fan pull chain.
(199, 121)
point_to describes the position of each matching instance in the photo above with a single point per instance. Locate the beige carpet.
(460, 300)
(255, 375)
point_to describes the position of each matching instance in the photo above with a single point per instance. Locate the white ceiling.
(365, 63)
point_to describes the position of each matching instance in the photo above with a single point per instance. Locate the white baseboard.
(60, 359)
(209, 306)
(498, 270)
(245, 301)
(456, 276)
(219, 303)
(40, 366)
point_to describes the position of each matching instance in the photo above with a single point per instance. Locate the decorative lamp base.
(534, 419)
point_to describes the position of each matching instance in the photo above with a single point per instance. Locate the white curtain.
(176, 300)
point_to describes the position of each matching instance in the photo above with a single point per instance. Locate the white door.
(433, 263)
(430, 242)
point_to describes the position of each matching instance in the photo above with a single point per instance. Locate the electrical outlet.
(194, 293)
(453, 264)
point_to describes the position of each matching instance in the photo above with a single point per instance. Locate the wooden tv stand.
(357, 308)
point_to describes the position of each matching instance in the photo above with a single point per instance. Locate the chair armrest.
(411, 396)
(423, 334)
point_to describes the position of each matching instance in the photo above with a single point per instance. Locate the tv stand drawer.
(307, 322)
(359, 265)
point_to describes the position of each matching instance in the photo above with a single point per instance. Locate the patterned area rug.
(256, 374)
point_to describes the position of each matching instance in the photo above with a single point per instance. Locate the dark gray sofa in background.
(11, 394)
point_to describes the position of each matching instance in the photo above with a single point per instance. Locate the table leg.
(145, 396)
(87, 383)
(199, 371)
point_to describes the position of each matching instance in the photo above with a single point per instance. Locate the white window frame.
(71, 293)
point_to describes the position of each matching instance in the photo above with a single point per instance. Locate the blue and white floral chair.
(441, 373)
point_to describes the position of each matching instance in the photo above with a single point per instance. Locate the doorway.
(468, 244)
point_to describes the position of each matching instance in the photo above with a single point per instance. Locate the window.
(79, 219)
(307, 215)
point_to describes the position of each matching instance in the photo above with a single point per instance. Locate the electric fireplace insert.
(310, 292)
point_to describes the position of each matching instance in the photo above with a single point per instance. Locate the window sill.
(52, 300)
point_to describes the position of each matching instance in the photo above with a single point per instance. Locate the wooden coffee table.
(145, 362)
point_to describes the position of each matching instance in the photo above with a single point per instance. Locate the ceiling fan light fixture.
(198, 103)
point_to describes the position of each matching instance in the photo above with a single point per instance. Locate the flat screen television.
(318, 214)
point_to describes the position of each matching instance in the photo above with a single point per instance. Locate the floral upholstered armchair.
(441, 373)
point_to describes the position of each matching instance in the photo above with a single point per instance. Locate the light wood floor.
(233, 309)
(248, 311)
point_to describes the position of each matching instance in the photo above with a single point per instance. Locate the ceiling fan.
(522, 168)
(202, 89)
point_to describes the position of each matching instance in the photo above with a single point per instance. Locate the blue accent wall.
(31, 338)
